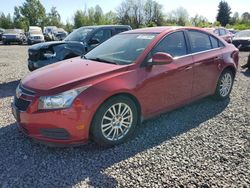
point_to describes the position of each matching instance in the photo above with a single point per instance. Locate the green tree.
(153, 13)
(80, 19)
(224, 12)
(98, 16)
(53, 18)
(6, 22)
(33, 12)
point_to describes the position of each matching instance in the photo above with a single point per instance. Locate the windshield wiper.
(101, 60)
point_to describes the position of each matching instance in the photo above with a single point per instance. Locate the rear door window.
(215, 42)
(199, 41)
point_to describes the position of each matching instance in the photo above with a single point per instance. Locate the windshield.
(35, 32)
(243, 34)
(78, 35)
(121, 49)
(11, 31)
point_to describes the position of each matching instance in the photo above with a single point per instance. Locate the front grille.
(21, 104)
(34, 55)
(26, 91)
(56, 133)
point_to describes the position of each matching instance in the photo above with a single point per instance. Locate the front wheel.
(224, 85)
(115, 121)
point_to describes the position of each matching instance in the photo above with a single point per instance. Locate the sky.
(66, 8)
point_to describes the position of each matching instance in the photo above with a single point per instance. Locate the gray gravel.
(205, 144)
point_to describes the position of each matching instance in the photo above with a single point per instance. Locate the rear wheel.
(224, 85)
(114, 121)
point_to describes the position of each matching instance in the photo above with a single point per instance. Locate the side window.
(120, 30)
(216, 31)
(174, 44)
(199, 41)
(102, 35)
(222, 32)
(215, 42)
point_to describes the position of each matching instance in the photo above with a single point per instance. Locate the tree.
(245, 16)
(53, 18)
(199, 21)
(224, 12)
(178, 17)
(98, 15)
(80, 19)
(6, 22)
(131, 12)
(153, 13)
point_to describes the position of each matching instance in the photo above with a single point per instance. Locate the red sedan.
(133, 76)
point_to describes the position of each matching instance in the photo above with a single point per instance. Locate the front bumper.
(54, 127)
(241, 43)
(12, 40)
(41, 63)
(35, 41)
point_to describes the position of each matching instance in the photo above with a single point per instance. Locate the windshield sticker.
(147, 37)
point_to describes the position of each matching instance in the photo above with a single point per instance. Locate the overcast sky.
(66, 8)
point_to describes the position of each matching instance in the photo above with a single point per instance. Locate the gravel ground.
(205, 144)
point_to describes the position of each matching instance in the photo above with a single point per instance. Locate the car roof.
(162, 29)
(107, 26)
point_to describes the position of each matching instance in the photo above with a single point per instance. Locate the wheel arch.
(129, 95)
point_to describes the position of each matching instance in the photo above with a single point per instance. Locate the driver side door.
(170, 85)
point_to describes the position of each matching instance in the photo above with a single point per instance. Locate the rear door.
(207, 57)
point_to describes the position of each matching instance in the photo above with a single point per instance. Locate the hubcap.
(225, 84)
(117, 121)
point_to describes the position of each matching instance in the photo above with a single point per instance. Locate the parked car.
(222, 32)
(1, 33)
(75, 44)
(132, 76)
(242, 39)
(35, 36)
(50, 33)
(62, 34)
(13, 36)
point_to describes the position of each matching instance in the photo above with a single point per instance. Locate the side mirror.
(93, 41)
(161, 58)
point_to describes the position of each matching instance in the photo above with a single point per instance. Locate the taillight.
(235, 56)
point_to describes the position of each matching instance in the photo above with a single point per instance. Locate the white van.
(35, 35)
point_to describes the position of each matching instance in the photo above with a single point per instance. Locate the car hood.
(46, 45)
(36, 35)
(68, 74)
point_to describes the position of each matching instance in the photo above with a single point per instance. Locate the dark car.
(222, 32)
(75, 44)
(131, 77)
(1, 33)
(61, 35)
(242, 39)
(13, 36)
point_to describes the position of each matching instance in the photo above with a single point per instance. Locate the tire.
(114, 130)
(224, 85)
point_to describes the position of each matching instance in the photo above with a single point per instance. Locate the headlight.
(60, 101)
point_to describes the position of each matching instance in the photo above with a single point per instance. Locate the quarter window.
(174, 44)
(215, 42)
(199, 41)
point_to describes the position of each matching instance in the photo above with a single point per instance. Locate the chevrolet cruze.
(131, 77)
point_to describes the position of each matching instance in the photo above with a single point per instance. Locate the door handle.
(188, 68)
